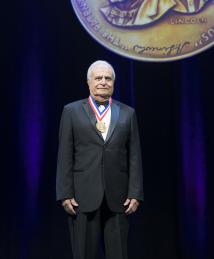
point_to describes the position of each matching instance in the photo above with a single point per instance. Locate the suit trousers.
(91, 231)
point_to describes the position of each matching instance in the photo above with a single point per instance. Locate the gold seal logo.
(149, 30)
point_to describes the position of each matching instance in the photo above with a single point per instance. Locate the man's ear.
(88, 82)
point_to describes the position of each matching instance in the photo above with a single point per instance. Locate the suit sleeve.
(64, 179)
(135, 190)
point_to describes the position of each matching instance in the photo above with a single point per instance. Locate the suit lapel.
(115, 110)
(91, 117)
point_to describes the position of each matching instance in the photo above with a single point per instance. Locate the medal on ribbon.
(101, 127)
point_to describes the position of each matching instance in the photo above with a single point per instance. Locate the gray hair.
(99, 62)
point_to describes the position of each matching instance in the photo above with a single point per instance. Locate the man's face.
(101, 83)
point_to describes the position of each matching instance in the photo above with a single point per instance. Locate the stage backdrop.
(45, 54)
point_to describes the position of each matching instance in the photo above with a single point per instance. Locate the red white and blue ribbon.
(99, 114)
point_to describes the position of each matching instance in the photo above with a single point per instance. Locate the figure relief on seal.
(128, 13)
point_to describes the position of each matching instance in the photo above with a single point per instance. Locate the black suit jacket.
(88, 166)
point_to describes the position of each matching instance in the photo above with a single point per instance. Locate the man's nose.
(103, 81)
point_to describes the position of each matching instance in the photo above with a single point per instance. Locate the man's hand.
(132, 205)
(69, 206)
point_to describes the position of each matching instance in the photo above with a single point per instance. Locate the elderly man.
(99, 172)
(128, 13)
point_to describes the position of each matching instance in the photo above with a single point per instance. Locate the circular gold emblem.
(101, 126)
(149, 30)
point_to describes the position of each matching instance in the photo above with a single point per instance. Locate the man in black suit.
(99, 171)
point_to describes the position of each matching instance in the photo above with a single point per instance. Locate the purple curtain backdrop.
(193, 185)
(45, 58)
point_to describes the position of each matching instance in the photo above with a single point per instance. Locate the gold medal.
(101, 126)
(149, 30)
